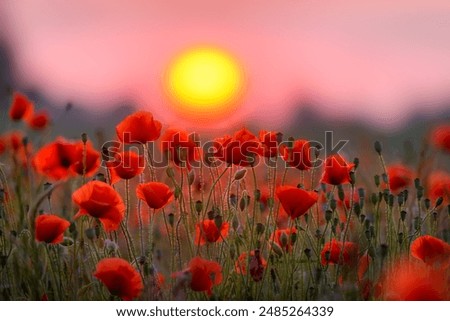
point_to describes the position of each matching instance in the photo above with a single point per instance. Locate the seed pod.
(376, 179)
(84, 138)
(328, 215)
(260, 228)
(378, 147)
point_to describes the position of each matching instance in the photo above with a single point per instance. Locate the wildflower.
(296, 201)
(399, 177)
(256, 263)
(440, 137)
(299, 155)
(50, 228)
(240, 149)
(278, 235)
(180, 147)
(139, 127)
(337, 171)
(87, 159)
(335, 252)
(155, 194)
(21, 107)
(39, 120)
(439, 186)
(120, 278)
(101, 201)
(125, 165)
(269, 143)
(207, 231)
(431, 250)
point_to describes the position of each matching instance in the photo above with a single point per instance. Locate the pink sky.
(373, 60)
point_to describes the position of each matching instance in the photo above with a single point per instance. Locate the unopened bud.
(277, 249)
(170, 173)
(90, 233)
(218, 221)
(374, 198)
(333, 204)
(293, 238)
(307, 252)
(191, 177)
(240, 174)
(328, 215)
(417, 182)
(260, 228)
(378, 147)
(84, 138)
(283, 239)
(376, 179)
(403, 215)
(419, 192)
(171, 219)
(198, 206)
(257, 194)
(356, 162)
(427, 203)
(341, 193)
(439, 201)
(352, 178)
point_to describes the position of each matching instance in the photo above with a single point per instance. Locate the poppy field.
(158, 213)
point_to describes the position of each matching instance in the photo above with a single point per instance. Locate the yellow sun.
(204, 83)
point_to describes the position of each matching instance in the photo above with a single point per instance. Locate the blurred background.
(363, 69)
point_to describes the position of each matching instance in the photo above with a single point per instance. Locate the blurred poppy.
(21, 107)
(101, 201)
(440, 137)
(125, 165)
(155, 194)
(283, 238)
(204, 274)
(438, 186)
(39, 120)
(299, 155)
(256, 262)
(120, 278)
(139, 127)
(50, 228)
(241, 149)
(399, 177)
(363, 266)
(55, 159)
(269, 143)
(414, 281)
(431, 250)
(337, 171)
(331, 253)
(296, 201)
(87, 159)
(207, 231)
(180, 147)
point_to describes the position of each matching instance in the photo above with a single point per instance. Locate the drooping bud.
(378, 147)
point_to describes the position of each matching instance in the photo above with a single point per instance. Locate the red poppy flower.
(125, 165)
(439, 186)
(120, 278)
(331, 253)
(296, 201)
(101, 201)
(207, 232)
(55, 159)
(440, 137)
(11, 141)
(21, 107)
(88, 164)
(278, 236)
(299, 155)
(139, 127)
(256, 262)
(269, 143)
(50, 228)
(363, 266)
(204, 274)
(180, 147)
(39, 120)
(431, 250)
(241, 149)
(337, 171)
(415, 281)
(399, 177)
(155, 194)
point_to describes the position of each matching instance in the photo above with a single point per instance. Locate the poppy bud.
(372, 230)
(383, 250)
(435, 216)
(439, 201)
(211, 215)
(235, 223)
(391, 200)
(218, 221)
(374, 198)
(386, 195)
(362, 218)
(170, 173)
(417, 183)
(341, 193)
(376, 179)
(352, 178)
(240, 174)
(243, 203)
(327, 256)
(371, 251)
(293, 238)
(191, 177)
(283, 239)
(233, 199)
(270, 202)
(257, 194)
(416, 223)
(356, 162)
(177, 192)
(90, 233)
(171, 219)
(84, 138)
(427, 203)
(400, 199)
(318, 234)
(385, 178)
(405, 194)
(419, 192)
(260, 228)
(378, 147)
(367, 224)
(333, 204)
(307, 252)
(367, 234)
(198, 206)
(403, 215)
(357, 209)
(400, 238)
(323, 187)
(361, 192)
(277, 249)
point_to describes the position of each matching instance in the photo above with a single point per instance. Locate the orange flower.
(39, 120)
(21, 107)
(155, 194)
(431, 250)
(139, 127)
(299, 156)
(269, 143)
(204, 274)
(241, 149)
(331, 253)
(90, 164)
(440, 137)
(180, 147)
(50, 228)
(256, 262)
(207, 232)
(439, 185)
(101, 201)
(125, 165)
(296, 201)
(120, 278)
(415, 281)
(337, 171)
(399, 177)
(55, 159)
(286, 233)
